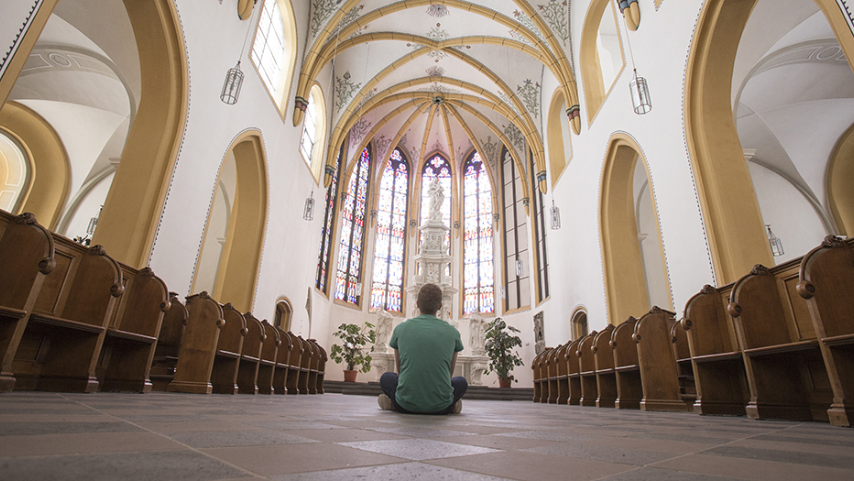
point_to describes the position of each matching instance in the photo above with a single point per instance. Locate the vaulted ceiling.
(439, 75)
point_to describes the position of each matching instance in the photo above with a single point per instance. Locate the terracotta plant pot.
(503, 382)
(350, 376)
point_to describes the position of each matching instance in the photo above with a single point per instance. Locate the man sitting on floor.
(425, 354)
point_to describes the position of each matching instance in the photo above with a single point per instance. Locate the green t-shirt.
(426, 345)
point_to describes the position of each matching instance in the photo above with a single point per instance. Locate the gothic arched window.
(274, 50)
(321, 277)
(390, 246)
(478, 270)
(439, 167)
(348, 278)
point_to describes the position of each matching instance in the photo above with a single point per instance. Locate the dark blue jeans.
(388, 383)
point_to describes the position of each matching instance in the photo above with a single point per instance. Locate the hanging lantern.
(775, 242)
(555, 215)
(231, 87)
(308, 210)
(640, 94)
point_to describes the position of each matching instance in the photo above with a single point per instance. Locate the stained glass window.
(390, 246)
(478, 270)
(538, 217)
(321, 277)
(517, 282)
(348, 277)
(437, 167)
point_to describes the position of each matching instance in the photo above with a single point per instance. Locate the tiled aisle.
(161, 436)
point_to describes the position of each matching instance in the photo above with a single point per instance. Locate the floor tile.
(419, 449)
(533, 467)
(751, 469)
(83, 443)
(7, 429)
(217, 439)
(407, 471)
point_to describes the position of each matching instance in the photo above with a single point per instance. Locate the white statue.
(384, 321)
(476, 334)
(437, 198)
(477, 369)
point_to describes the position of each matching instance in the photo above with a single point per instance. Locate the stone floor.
(45, 436)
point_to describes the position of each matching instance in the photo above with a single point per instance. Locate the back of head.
(429, 299)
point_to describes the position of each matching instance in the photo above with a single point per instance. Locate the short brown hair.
(429, 299)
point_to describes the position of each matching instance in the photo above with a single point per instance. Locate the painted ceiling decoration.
(443, 76)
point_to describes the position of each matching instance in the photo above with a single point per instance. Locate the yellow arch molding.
(563, 70)
(416, 189)
(733, 222)
(840, 171)
(50, 177)
(427, 128)
(453, 161)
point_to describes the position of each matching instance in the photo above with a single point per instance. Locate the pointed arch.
(559, 138)
(478, 266)
(626, 290)
(240, 260)
(351, 246)
(284, 314)
(389, 266)
(274, 51)
(840, 171)
(599, 16)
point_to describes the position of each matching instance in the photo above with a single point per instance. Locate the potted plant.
(353, 349)
(499, 345)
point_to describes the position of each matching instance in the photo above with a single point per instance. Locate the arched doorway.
(632, 253)
(733, 219)
(579, 324)
(284, 314)
(234, 233)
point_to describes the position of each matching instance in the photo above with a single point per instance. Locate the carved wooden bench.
(295, 362)
(26, 257)
(551, 375)
(629, 387)
(657, 363)
(168, 344)
(269, 355)
(541, 386)
(573, 374)
(280, 375)
(684, 368)
(606, 376)
(250, 356)
(716, 357)
(198, 346)
(784, 366)
(826, 281)
(228, 351)
(321, 369)
(562, 375)
(587, 370)
(316, 375)
(305, 366)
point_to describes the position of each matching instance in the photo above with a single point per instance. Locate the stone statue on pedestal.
(476, 334)
(384, 322)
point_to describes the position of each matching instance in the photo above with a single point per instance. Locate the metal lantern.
(640, 94)
(555, 215)
(775, 242)
(308, 210)
(231, 87)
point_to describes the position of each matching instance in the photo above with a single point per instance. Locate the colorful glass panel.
(436, 167)
(350, 247)
(390, 244)
(478, 268)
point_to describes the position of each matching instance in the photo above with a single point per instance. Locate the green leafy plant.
(354, 340)
(499, 347)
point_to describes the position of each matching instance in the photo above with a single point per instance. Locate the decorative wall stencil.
(556, 15)
(437, 34)
(357, 133)
(321, 10)
(381, 143)
(437, 146)
(847, 7)
(348, 18)
(520, 38)
(504, 98)
(435, 71)
(490, 151)
(514, 135)
(439, 88)
(438, 11)
(359, 31)
(529, 24)
(344, 90)
(461, 150)
(530, 93)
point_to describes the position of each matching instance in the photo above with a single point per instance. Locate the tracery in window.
(517, 281)
(390, 244)
(538, 218)
(268, 49)
(353, 208)
(439, 167)
(321, 277)
(478, 269)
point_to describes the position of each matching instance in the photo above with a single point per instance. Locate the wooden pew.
(587, 370)
(269, 354)
(132, 334)
(295, 363)
(562, 375)
(228, 351)
(305, 365)
(321, 369)
(826, 281)
(684, 368)
(26, 257)
(198, 346)
(574, 374)
(62, 341)
(250, 356)
(316, 374)
(541, 386)
(168, 344)
(606, 376)
(716, 357)
(551, 373)
(657, 363)
(629, 387)
(280, 375)
(784, 366)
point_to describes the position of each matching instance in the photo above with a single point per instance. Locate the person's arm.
(397, 360)
(453, 364)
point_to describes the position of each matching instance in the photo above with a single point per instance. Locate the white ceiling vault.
(439, 75)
